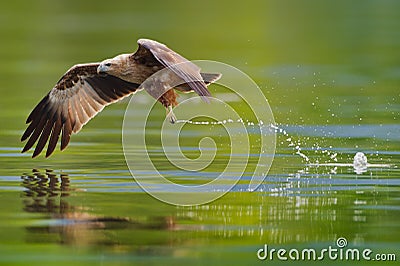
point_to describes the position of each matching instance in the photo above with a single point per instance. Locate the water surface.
(329, 71)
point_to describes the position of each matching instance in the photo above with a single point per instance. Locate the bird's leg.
(170, 115)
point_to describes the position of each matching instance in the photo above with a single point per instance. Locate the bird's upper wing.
(182, 67)
(77, 97)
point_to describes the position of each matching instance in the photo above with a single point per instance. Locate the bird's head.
(114, 66)
(105, 67)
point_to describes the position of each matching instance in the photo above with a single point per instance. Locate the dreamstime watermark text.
(338, 252)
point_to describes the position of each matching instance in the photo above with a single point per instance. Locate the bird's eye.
(107, 64)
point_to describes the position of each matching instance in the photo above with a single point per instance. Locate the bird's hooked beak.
(104, 67)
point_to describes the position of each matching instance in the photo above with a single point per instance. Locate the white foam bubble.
(360, 163)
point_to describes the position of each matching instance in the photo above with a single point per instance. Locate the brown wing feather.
(182, 67)
(77, 97)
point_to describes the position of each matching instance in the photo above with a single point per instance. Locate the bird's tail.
(210, 77)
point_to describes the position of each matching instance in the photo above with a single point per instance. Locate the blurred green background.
(330, 64)
(286, 46)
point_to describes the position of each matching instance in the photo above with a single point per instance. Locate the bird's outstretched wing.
(77, 97)
(182, 67)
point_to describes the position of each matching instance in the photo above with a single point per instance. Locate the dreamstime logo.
(340, 252)
(341, 242)
(218, 112)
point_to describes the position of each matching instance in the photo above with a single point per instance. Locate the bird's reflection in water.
(46, 193)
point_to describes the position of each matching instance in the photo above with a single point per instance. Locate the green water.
(330, 71)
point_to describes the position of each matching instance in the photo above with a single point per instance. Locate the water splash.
(223, 122)
(291, 143)
(296, 145)
(360, 162)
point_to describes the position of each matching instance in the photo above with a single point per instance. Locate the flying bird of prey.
(85, 89)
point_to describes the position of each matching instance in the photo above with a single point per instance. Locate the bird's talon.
(170, 115)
